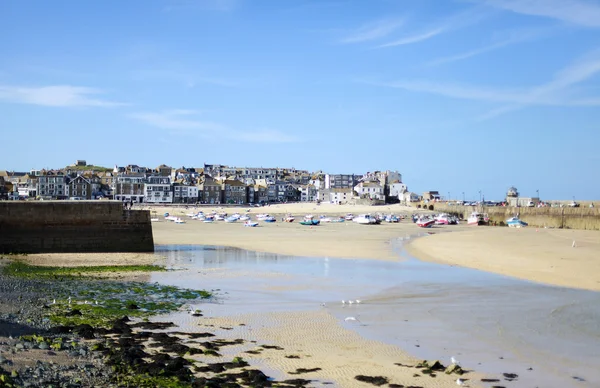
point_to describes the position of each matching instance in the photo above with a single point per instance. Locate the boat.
(392, 218)
(324, 219)
(310, 222)
(289, 218)
(244, 218)
(476, 218)
(261, 217)
(349, 217)
(515, 222)
(251, 223)
(341, 219)
(179, 221)
(442, 219)
(425, 222)
(269, 219)
(220, 217)
(231, 219)
(365, 219)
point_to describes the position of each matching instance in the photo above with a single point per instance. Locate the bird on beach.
(351, 319)
(53, 301)
(69, 300)
(460, 381)
(350, 302)
(343, 302)
(358, 301)
(454, 361)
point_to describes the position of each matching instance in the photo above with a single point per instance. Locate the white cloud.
(580, 12)
(374, 30)
(413, 38)
(186, 122)
(454, 22)
(177, 120)
(514, 37)
(58, 96)
(187, 79)
(558, 92)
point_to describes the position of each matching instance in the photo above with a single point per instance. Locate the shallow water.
(491, 323)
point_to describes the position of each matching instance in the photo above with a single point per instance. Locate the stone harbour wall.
(73, 226)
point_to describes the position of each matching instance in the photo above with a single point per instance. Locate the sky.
(460, 96)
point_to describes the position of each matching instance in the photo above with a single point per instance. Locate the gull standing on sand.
(454, 361)
(343, 302)
(358, 301)
(349, 319)
(460, 381)
(350, 301)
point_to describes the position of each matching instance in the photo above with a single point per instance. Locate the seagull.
(69, 300)
(348, 319)
(454, 361)
(343, 302)
(358, 301)
(350, 301)
(95, 301)
(53, 301)
(460, 381)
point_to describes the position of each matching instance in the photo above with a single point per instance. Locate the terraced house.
(157, 189)
(130, 187)
(83, 187)
(52, 185)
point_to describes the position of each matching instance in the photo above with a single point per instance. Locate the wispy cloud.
(185, 78)
(187, 122)
(414, 38)
(57, 96)
(454, 22)
(559, 91)
(580, 12)
(514, 37)
(373, 30)
(206, 5)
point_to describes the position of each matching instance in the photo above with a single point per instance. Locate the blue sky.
(459, 96)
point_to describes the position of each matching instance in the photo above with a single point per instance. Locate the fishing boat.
(289, 218)
(425, 222)
(365, 219)
(392, 218)
(251, 223)
(515, 222)
(269, 219)
(244, 218)
(310, 222)
(261, 217)
(231, 219)
(476, 218)
(341, 219)
(349, 217)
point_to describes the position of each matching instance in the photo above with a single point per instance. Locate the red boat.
(425, 223)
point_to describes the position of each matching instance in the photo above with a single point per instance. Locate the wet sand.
(539, 255)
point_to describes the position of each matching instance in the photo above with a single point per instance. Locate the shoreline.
(546, 256)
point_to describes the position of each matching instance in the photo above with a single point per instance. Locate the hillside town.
(210, 184)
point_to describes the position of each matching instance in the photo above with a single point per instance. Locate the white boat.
(308, 217)
(261, 217)
(476, 218)
(442, 219)
(231, 219)
(515, 222)
(220, 217)
(365, 219)
(289, 218)
(392, 218)
(244, 218)
(324, 219)
(179, 221)
(349, 217)
(269, 219)
(251, 223)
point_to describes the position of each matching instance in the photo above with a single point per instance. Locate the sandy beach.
(539, 255)
(342, 240)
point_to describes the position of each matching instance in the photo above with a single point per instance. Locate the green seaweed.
(18, 268)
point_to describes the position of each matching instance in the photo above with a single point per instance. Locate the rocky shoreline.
(35, 351)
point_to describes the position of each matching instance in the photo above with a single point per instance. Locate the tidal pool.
(549, 336)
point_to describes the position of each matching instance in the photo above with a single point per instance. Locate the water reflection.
(493, 323)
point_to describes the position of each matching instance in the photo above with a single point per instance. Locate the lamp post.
(448, 196)
(538, 194)
(463, 196)
(480, 196)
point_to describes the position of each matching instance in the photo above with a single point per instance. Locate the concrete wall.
(551, 217)
(73, 226)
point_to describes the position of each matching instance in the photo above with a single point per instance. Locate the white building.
(371, 190)
(157, 189)
(52, 186)
(129, 187)
(308, 193)
(185, 193)
(397, 190)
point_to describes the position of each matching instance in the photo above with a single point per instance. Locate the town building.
(210, 191)
(308, 193)
(129, 187)
(341, 181)
(157, 189)
(83, 187)
(372, 190)
(185, 192)
(52, 185)
(261, 194)
(234, 191)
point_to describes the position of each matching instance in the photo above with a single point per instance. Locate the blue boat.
(310, 222)
(515, 222)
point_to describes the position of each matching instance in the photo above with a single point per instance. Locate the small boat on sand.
(269, 219)
(310, 222)
(515, 222)
(425, 222)
(365, 219)
(251, 223)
